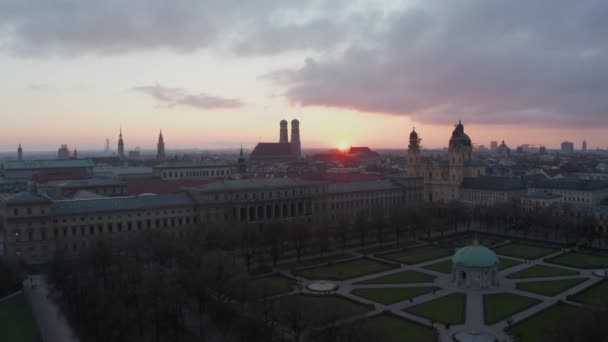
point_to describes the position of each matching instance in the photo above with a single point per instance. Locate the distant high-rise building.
(567, 147)
(493, 146)
(63, 152)
(107, 148)
(584, 145)
(121, 146)
(19, 153)
(283, 132)
(295, 138)
(542, 149)
(160, 147)
(75, 155)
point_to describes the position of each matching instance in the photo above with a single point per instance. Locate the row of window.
(197, 173)
(93, 229)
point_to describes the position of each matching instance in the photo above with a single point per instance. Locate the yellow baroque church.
(443, 178)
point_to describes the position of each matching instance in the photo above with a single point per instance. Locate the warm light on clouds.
(363, 71)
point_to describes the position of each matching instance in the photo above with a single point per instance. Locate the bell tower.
(414, 154)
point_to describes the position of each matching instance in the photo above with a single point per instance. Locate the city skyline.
(215, 79)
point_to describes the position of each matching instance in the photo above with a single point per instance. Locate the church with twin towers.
(285, 150)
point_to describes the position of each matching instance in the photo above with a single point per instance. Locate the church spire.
(160, 147)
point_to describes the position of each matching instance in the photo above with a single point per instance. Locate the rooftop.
(83, 183)
(85, 206)
(572, 184)
(47, 164)
(475, 256)
(493, 183)
(24, 198)
(190, 164)
(376, 185)
(255, 184)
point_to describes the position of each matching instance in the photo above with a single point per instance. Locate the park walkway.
(52, 325)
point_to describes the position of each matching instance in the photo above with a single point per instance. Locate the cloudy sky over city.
(217, 74)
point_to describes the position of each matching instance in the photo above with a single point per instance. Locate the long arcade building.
(34, 226)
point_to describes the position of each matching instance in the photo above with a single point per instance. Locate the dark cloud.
(542, 63)
(172, 97)
(41, 27)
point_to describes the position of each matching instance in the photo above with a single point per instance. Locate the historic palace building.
(443, 178)
(35, 226)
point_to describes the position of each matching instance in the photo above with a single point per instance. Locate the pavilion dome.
(475, 256)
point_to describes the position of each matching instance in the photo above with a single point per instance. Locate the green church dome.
(475, 256)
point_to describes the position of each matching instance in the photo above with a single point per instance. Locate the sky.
(218, 74)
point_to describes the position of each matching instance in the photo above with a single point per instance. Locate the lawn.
(404, 277)
(317, 261)
(596, 294)
(520, 250)
(385, 327)
(542, 271)
(536, 327)
(272, 285)
(313, 308)
(505, 263)
(499, 306)
(16, 323)
(447, 309)
(581, 260)
(442, 267)
(417, 255)
(345, 270)
(391, 295)
(549, 287)
(386, 248)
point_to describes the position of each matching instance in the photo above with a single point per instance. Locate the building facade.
(193, 170)
(443, 178)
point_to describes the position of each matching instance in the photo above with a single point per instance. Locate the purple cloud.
(172, 97)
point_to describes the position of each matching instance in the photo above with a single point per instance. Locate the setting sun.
(343, 146)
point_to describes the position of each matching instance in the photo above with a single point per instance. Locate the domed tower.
(295, 138)
(283, 133)
(160, 147)
(414, 154)
(121, 146)
(459, 153)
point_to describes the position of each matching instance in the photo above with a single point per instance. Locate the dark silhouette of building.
(121, 146)
(283, 132)
(242, 164)
(19, 153)
(282, 151)
(160, 147)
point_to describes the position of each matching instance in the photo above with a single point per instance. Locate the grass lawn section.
(447, 309)
(417, 255)
(345, 270)
(386, 248)
(499, 306)
(540, 271)
(390, 328)
(549, 287)
(404, 277)
(520, 250)
(505, 263)
(314, 262)
(16, 323)
(390, 295)
(272, 285)
(597, 294)
(314, 308)
(442, 267)
(535, 327)
(581, 260)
